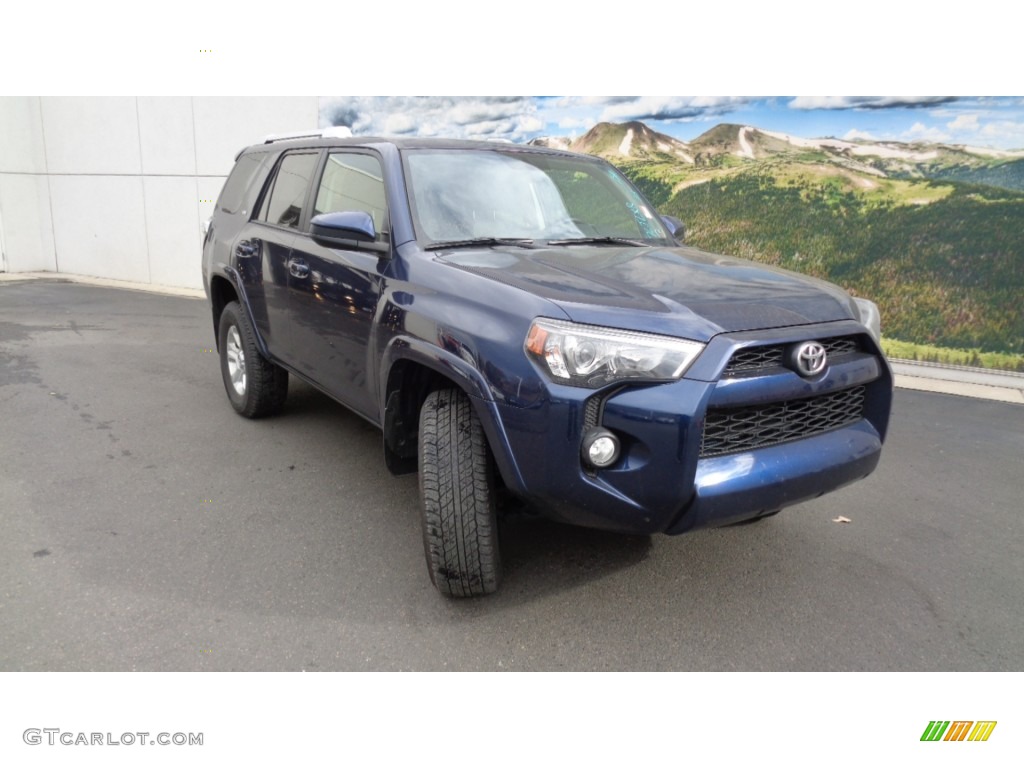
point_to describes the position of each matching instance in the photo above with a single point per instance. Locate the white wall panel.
(21, 135)
(224, 125)
(119, 186)
(28, 230)
(99, 226)
(209, 190)
(165, 131)
(89, 134)
(173, 232)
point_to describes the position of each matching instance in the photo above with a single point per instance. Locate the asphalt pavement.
(145, 526)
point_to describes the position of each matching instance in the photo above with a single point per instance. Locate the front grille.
(742, 429)
(755, 359)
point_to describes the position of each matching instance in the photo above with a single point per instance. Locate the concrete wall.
(119, 187)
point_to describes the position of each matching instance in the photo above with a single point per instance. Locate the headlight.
(870, 317)
(590, 356)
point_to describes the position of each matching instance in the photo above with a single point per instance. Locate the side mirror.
(676, 227)
(339, 229)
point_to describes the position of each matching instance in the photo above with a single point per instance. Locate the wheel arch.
(225, 287)
(222, 293)
(410, 370)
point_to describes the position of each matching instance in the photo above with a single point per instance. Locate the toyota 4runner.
(521, 320)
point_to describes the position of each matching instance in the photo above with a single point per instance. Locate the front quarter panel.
(478, 321)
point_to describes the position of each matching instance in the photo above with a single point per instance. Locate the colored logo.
(958, 730)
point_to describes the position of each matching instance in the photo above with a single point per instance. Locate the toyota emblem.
(808, 359)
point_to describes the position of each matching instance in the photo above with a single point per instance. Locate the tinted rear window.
(233, 196)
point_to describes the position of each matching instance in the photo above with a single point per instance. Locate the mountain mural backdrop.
(934, 233)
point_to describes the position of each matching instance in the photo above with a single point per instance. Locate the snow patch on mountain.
(627, 142)
(989, 152)
(797, 141)
(670, 150)
(860, 149)
(745, 149)
(891, 152)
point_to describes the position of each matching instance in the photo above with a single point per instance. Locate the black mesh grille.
(754, 359)
(743, 429)
(843, 345)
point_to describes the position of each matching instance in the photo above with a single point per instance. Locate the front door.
(334, 292)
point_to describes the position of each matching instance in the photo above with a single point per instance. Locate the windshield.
(460, 195)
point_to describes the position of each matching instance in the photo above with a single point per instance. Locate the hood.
(682, 291)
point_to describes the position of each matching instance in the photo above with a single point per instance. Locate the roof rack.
(333, 132)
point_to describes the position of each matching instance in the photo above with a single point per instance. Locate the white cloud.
(1004, 133)
(528, 124)
(516, 118)
(482, 110)
(964, 123)
(509, 117)
(867, 102)
(671, 107)
(584, 111)
(921, 132)
(399, 123)
(853, 133)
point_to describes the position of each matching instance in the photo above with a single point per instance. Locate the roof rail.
(333, 132)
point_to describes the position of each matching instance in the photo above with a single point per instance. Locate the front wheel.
(457, 494)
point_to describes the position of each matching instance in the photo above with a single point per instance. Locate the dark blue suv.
(521, 320)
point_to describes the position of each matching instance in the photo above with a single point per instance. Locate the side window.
(232, 196)
(354, 182)
(283, 205)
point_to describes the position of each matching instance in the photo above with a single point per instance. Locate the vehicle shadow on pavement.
(541, 557)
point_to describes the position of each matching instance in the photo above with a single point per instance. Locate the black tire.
(264, 386)
(457, 494)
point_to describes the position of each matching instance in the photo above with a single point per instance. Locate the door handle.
(298, 268)
(246, 249)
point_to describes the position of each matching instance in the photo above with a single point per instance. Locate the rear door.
(264, 245)
(334, 292)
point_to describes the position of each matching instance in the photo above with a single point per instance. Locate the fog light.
(600, 448)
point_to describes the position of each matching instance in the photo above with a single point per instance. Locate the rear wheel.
(457, 494)
(255, 386)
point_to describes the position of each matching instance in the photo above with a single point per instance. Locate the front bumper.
(661, 483)
(729, 489)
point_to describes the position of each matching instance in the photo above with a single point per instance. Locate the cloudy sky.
(983, 121)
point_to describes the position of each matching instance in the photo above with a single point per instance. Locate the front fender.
(470, 381)
(448, 364)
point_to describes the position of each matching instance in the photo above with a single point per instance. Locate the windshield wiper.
(597, 241)
(486, 241)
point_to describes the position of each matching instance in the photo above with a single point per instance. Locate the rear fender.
(236, 282)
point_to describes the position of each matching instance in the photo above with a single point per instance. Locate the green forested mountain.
(898, 223)
(1009, 175)
(949, 272)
